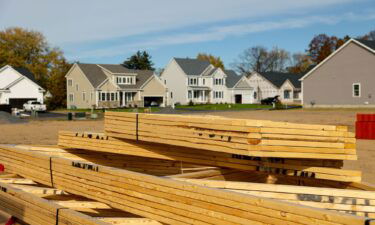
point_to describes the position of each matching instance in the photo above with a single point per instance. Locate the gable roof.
(96, 75)
(192, 66)
(278, 78)
(93, 72)
(117, 68)
(141, 78)
(25, 72)
(369, 45)
(232, 78)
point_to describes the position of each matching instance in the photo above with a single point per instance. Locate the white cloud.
(216, 33)
(92, 20)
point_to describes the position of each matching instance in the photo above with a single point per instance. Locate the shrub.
(191, 103)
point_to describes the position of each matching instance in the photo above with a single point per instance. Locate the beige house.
(270, 84)
(112, 86)
(344, 79)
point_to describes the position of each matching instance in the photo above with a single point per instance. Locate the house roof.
(93, 72)
(117, 68)
(192, 66)
(96, 75)
(370, 44)
(25, 72)
(141, 78)
(278, 78)
(232, 78)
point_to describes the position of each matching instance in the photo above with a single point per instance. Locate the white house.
(17, 86)
(270, 84)
(200, 82)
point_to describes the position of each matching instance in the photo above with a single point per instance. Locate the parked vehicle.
(34, 106)
(270, 100)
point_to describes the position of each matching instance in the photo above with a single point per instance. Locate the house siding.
(176, 82)
(154, 88)
(262, 87)
(78, 77)
(331, 84)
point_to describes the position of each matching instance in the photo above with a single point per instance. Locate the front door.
(238, 99)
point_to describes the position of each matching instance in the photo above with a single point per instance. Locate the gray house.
(112, 86)
(344, 79)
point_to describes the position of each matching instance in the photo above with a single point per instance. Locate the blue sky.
(96, 31)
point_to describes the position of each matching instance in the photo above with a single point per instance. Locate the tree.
(259, 59)
(322, 45)
(215, 61)
(29, 49)
(300, 62)
(370, 36)
(139, 61)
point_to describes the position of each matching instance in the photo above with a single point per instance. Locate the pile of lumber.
(236, 136)
(32, 203)
(162, 199)
(174, 169)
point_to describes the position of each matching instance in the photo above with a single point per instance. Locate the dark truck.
(270, 100)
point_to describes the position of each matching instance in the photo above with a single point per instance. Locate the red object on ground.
(11, 221)
(2, 168)
(365, 126)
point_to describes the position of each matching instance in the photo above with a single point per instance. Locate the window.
(76, 87)
(112, 96)
(356, 90)
(193, 81)
(189, 95)
(108, 97)
(71, 97)
(165, 82)
(70, 82)
(91, 95)
(83, 96)
(196, 94)
(295, 94)
(171, 94)
(103, 97)
(286, 94)
(204, 81)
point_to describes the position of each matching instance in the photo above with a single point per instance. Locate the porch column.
(123, 98)
(96, 98)
(204, 96)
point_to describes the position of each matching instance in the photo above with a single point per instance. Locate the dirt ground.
(45, 132)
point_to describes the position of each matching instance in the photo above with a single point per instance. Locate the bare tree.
(259, 59)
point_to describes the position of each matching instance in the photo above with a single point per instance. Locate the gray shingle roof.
(27, 73)
(93, 72)
(96, 76)
(117, 68)
(192, 66)
(370, 44)
(142, 77)
(278, 79)
(232, 78)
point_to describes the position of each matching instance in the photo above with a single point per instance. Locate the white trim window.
(71, 97)
(357, 90)
(125, 80)
(193, 81)
(83, 96)
(70, 82)
(190, 95)
(77, 87)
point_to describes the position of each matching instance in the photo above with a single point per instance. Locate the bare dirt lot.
(45, 132)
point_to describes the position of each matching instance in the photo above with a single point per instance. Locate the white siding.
(263, 87)
(175, 80)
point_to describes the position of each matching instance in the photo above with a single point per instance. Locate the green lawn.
(224, 106)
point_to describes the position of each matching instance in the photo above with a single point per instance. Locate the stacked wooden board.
(162, 199)
(235, 136)
(32, 203)
(303, 169)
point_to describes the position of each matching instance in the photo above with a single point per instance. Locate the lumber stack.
(254, 138)
(163, 199)
(32, 203)
(321, 171)
(358, 202)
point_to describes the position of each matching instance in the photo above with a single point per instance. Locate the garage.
(18, 102)
(238, 99)
(153, 101)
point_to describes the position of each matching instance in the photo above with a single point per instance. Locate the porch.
(199, 95)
